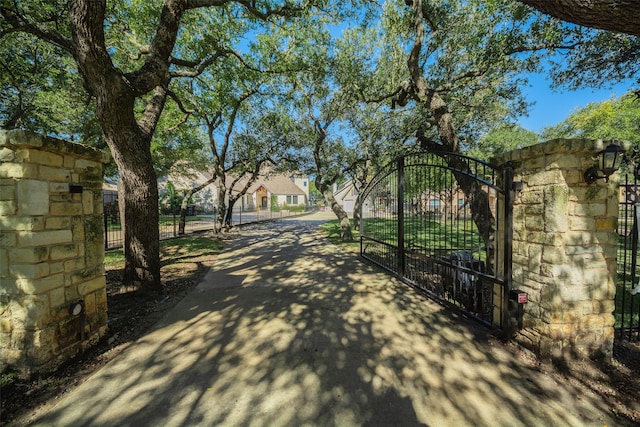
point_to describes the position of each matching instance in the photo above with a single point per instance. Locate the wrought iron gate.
(628, 283)
(442, 222)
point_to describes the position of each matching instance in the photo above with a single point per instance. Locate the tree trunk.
(222, 210)
(138, 197)
(228, 219)
(128, 137)
(356, 212)
(185, 204)
(346, 235)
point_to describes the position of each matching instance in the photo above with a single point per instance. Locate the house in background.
(346, 195)
(205, 200)
(283, 190)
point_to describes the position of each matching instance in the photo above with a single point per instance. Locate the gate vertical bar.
(634, 265)
(106, 225)
(508, 249)
(400, 213)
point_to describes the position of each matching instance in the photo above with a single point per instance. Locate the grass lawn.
(172, 251)
(331, 230)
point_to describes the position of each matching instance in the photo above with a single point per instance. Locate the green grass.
(426, 232)
(171, 250)
(165, 221)
(331, 230)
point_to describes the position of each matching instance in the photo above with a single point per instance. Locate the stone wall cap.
(557, 145)
(26, 138)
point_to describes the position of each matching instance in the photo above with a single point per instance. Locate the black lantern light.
(609, 161)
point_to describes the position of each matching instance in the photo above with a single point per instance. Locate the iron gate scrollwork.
(442, 222)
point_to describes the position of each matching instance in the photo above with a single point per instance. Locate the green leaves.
(617, 118)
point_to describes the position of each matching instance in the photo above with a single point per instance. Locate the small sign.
(519, 296)
(523, 298)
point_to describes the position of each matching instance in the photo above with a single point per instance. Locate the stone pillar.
(564, 250)
(51, 252)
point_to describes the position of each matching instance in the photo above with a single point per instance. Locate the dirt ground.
(130, 317)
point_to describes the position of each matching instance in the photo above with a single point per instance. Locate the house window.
(460, 203)
(305, 183)
(434, 205)
(288, 200)
(295, 200)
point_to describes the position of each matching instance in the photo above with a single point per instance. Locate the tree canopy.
(616, 118)
(158, 76)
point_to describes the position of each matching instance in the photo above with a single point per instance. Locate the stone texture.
(564, 250)
(43, 250)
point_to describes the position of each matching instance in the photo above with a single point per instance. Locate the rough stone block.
(29, 271)
(57, 223)
(534, 223)
(8, 207)
(58, 188)
(51, 174)
(87, 202)
(7, 154)
(531, 196)
(90, 304)
(71, 293)
(43, 238)
(92, 285)
(73, 265)
(8, 239)
(554, 255)
(22, 223)
(556, 208)
(18, 170)
(590, 209)
(579, 223)
(7, 192)
(606, 224)
(61, 252)
(66, 208)
(28, 255)
(552, 177)
(562, 161)
(41, 285)
(574, 292)
(57, 297)
(6, 325)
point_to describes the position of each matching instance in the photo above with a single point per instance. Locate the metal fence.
(420, 221)
(628, 280)
(114, 238)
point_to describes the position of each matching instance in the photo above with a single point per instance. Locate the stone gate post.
(564, 249)
(51, 252)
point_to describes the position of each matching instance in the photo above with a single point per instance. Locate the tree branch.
(19, 23)
(153, 111)
(613, 15)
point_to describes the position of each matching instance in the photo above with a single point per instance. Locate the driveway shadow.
(286, 330)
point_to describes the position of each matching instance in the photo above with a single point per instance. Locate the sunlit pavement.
(287, 330)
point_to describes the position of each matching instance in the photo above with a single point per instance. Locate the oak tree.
(127, 54)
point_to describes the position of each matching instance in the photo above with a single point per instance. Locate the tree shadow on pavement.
(288, 331)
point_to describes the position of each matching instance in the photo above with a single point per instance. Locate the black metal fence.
(114, 238)
(628, 281)
(420, 218)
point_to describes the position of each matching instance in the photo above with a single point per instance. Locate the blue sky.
(554, 105)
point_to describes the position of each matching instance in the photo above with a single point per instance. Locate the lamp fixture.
(609, 161)
(76, 308)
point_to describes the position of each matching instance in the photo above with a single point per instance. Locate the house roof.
(277, 184)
